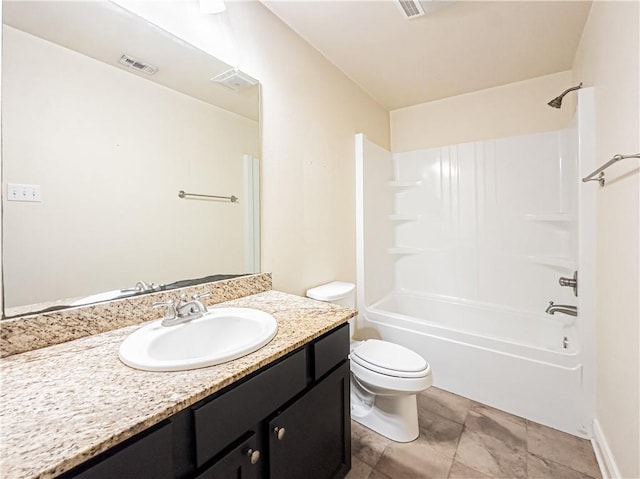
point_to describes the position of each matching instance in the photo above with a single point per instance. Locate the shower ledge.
(405, 184)
(402, 217)
(559, 217)
(554, 261)
(400, 250)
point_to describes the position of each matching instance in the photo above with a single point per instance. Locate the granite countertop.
(66, 403)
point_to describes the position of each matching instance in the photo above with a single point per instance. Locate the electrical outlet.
(17, 192)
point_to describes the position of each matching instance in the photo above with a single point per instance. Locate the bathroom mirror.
(96, 147)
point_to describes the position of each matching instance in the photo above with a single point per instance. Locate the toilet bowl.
(385, 377)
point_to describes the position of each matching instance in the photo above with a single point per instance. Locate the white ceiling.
(465, 47)
(105, 31)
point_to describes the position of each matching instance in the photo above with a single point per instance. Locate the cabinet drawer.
(330, 350)
(224, 419)
(242, 462)
(150, 456)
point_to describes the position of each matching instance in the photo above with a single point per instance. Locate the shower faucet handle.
(567, 282)
(570, 282)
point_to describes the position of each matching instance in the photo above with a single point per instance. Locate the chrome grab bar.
(600, 177)
(182, 194)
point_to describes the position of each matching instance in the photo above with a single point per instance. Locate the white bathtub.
(515, 361)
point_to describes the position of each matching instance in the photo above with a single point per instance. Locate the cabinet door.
(311, 439)
(242, 462)
(147, 457)
(226, 418)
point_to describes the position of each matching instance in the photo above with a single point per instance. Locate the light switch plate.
(19, 192)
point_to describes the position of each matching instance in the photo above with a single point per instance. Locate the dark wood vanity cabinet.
(147, 455)
(242, 462)
(289, 420)
(311, 438)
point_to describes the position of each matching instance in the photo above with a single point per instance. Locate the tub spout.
(562, 308)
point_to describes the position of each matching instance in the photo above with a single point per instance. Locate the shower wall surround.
(493, 222)
(459, 251)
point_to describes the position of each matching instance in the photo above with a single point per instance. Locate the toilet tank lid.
(331, 291)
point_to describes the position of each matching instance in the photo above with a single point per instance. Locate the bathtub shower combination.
(460, 251)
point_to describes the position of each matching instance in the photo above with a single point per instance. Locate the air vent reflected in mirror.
(137, 65)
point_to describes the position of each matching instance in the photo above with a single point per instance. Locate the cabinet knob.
(254, 456)
(279, 432)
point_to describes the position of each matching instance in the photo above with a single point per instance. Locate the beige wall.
(608, 59)
(509, 110)
(1, 181)
(111, 150)
(310, 113)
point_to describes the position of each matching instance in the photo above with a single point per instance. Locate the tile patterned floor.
(463, 439)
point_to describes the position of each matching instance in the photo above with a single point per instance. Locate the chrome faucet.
(140, 287)
(184, 310)
(191, 309)
(562, 308)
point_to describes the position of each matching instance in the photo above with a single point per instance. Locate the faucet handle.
(570, 282)
(157, 304)
(171, 308)
(199, 304)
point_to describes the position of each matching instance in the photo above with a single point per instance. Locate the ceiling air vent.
(411, 8)
(235, 79)
(138, 65)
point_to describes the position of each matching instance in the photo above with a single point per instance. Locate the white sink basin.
(221, 335)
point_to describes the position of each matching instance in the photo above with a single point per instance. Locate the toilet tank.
(336, 292)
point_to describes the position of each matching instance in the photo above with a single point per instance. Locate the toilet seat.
(388, 385)
(389, 359)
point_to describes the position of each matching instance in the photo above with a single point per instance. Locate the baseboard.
(604, 456)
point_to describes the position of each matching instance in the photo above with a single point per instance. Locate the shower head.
(557, 101)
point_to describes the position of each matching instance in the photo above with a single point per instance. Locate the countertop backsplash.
(26, 333)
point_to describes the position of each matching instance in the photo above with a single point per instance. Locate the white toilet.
(385, 377)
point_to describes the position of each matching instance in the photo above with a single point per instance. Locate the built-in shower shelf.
(559, 217)
(404, 217)
(401, 250)
(554, 261)
(405, 184)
